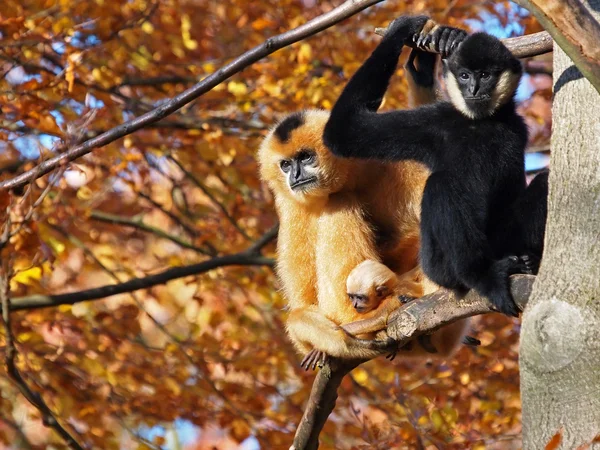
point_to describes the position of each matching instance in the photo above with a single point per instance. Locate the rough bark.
(560, 337)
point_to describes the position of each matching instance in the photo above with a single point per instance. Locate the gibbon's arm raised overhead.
(354, 123)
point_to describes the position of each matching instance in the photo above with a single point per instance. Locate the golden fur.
(367, 279)
(360, 210)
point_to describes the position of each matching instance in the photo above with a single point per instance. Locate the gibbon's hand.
(424, 72)
(441, 39)
(402, 29)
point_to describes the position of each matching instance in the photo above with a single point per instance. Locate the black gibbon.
(474, 146)
(334, 214)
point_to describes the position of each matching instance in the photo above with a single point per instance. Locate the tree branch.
(48, 418)
(421, 316)
(320, 23)
(574, 29)
(248, 257)
(522, 46)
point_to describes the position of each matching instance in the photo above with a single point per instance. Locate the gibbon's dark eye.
(464, 76)
(285, 165)
(485, 75)
(306, 157)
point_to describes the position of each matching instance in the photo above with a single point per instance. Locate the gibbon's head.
(481, 75)
(368, 284)
(295, 162)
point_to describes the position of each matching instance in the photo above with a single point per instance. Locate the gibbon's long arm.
(356, 130)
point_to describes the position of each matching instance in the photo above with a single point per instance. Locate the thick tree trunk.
(560, 338)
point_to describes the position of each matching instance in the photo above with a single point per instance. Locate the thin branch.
(522, 46)
(422, 316)
(139, 224)
(211, 197)
(320, 23)
(249, 257)
(263, 241)
(33, 397)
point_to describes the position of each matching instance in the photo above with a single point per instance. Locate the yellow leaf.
(147, 28)
(360, 375)
(437, 420)
(26, 276)
(240, 429)
(84, 193)
(237, 88)
(305, 53)
(172, 385)
(186, 26)
(56, 245)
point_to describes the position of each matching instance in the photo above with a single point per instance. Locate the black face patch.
(287, 125)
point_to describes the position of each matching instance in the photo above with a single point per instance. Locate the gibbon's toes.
(315, 358)
(404, 299)
(471, 341)
(529, 264)
(506, 306)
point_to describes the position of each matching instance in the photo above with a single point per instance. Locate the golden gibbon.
(336, 214)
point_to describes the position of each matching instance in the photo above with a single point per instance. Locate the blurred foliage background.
(203, 361)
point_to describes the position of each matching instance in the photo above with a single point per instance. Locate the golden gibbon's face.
(295, 162)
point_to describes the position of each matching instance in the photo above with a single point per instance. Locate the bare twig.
(211, 197)
(33, 397)
(320, 23)
(522, 46)
(249, 257)
(139, 224)
(421, 316)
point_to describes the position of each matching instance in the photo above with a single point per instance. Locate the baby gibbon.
(334, 214)
(369, 286)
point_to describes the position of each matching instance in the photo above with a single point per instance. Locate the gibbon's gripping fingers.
(423, 75)
(315, 358)
(444, 40)
(422, 38)
(402, 29)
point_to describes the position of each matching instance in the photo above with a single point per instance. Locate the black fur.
(477, 165)
(284, 129)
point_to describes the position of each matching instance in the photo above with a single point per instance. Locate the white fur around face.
(456, 96)
(505, 88)
(503, 92)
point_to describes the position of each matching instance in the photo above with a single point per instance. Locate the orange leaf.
(555, 441)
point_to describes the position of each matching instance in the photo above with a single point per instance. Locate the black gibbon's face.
(301, 170)
(477, 88)
(481, 76)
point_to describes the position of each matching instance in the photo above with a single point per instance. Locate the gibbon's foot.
(505, 304)
(404, 299)
(315, 358)
(527, 264)
(471, 341)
